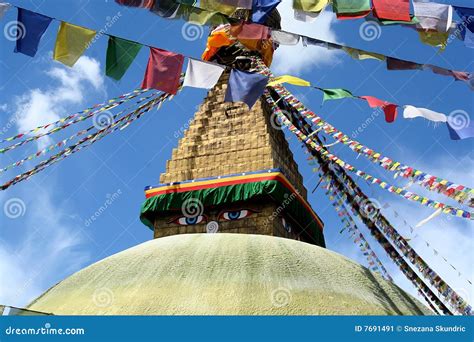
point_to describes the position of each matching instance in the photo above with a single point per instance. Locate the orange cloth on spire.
(216, 40)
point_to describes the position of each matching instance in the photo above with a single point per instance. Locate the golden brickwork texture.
(228, 138)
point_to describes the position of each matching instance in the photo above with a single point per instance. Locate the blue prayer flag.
(262, 8)
(30, 29)
(245, 87)
(467, 15)
(460, 129)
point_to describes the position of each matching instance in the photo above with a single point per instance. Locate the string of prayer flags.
(410, 112)
(389, 109)
(4, 7)
(351, 9)
(201, 74)
(460, 130)
(120, 54)
(446, 209)
(261, 9)
(284, 38)
(245, 87)
(335, 94)
(163, 71)
(460, 193)
(396, 10)
(314, 6)
(289, 79)
(433, 16)
(71, 42)
(31, 27)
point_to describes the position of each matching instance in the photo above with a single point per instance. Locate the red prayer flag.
(389, 109)
(163, 70)
(250, 31)
(392, 9)
(399, 64)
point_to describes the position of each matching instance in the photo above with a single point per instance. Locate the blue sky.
(52, 238)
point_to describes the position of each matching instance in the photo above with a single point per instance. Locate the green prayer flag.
(351, 6)
(335, 94)
(120, 54)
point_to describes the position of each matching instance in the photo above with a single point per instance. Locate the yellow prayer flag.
(310, 5)
(438, 39)
(71, 42)
(361, 54)
(289, 79)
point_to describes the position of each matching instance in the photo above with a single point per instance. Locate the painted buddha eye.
(189, 221)
(233, 215)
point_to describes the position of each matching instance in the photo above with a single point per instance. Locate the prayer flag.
(201, 74)
(285, 38)
(71, 42)
(351, 9)
(361, 54)
(250, 31)
(247, 4)
(460, 128)
(335, 94)
(434, 38)
(307, 17)
(310, 5)
(389, 109)
(467, 15)
(245, 87)
(392, 9)
(289, 79)
(398, 64)
(31, 27)
(3, 9)
(165, 8)
(410, 112)
(163, 71)
(433, 16)
(261, 9)
(217, 6)
(120, 54)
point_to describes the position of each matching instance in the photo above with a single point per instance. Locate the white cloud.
(49, 235)
(48, 249)
(40, 106)
(295, 59)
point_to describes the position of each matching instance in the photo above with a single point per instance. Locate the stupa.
(234, 232)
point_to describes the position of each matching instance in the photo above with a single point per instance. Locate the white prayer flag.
(410, 112)
(307, 17)
(285, 38)
(433, 16)
(200, 74)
